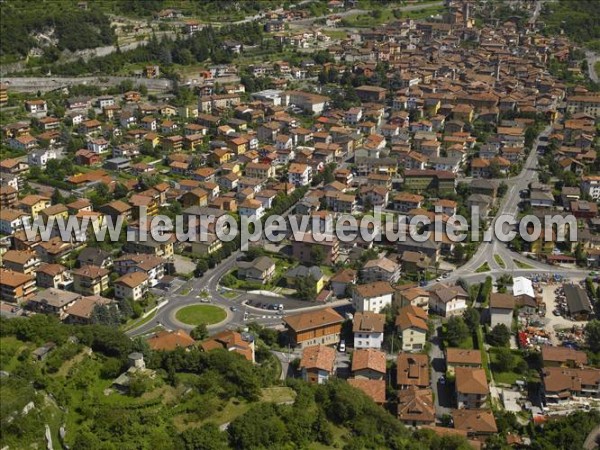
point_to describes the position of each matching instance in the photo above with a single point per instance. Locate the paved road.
(45, 84)
(444, 399)
(352, 12)
(592, 58)
(486, 251)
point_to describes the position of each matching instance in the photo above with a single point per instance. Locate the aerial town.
(413, 121)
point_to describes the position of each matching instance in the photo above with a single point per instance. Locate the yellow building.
(90, 280)
(33, 204)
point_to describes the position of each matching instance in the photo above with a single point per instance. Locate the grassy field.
(506, 377)
(197, 314)
(522, 265)
(336, 34)
(483, 268)
(500, 261)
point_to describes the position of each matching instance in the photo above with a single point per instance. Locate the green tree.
(206, 437)
(505, 360)
(472, 319)
(200, 332)
(592, 335)
(456, 331)
(499, 336)
(317, 255)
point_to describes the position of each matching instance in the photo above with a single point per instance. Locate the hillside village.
(454, 115)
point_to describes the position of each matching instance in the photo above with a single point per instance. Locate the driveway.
(444, 398)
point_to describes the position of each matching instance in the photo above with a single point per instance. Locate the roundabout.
(194, 315)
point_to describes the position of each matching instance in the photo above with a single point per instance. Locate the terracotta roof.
(318, 357)
(363, 359)
(412, 317)
(170, 340)
(416, 405)
(413, 369)
(474, 421)
(374, 289)
(344, 276)
(85, 306)
(414, 292)
(51, 269)
(19, 256)
(560, 379)
(230, 340)
(563, 355)
(90, 272)
(373, 388)
(313, 319)
(471, 381)
(132, 279)
(461, 356)
(368, 321)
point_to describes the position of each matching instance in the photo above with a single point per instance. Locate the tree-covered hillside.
(580, 20)
(59, 25)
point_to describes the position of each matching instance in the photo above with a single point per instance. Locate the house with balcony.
(132, 285)
(367, 328)
(16, 287)
(372, 297)
(90, 280)
(411, 323)
(471, 387)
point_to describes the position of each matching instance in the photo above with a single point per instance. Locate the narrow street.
(444, 399)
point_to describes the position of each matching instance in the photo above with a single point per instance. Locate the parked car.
(342, 346)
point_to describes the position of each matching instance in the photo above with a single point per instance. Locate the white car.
(342, 346)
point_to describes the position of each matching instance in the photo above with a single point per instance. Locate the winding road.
(240, 313)
(493, 246)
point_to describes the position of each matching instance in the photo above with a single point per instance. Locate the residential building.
(53, 276)
(90, 280)
(259, 270)
(458, 357)
(368, 330)
(471, 387)
(342, 281)
(414, 296)
(381, 269)
(304, 249)
(53, 301)
(563, 357)
(170, 340)
(368, 364)
(412, 370)
(12, 220)
(372, 297)
(412, 327)
(479, 424)
(375, 389)
(232, 341)
(16, 287)
(322, 326)
(80, 311)
(448, 300)
(416, 407)
(317, 363)
(132, 285)
(561, 384)
(299, 174)
(501, 309)
(22, 261)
